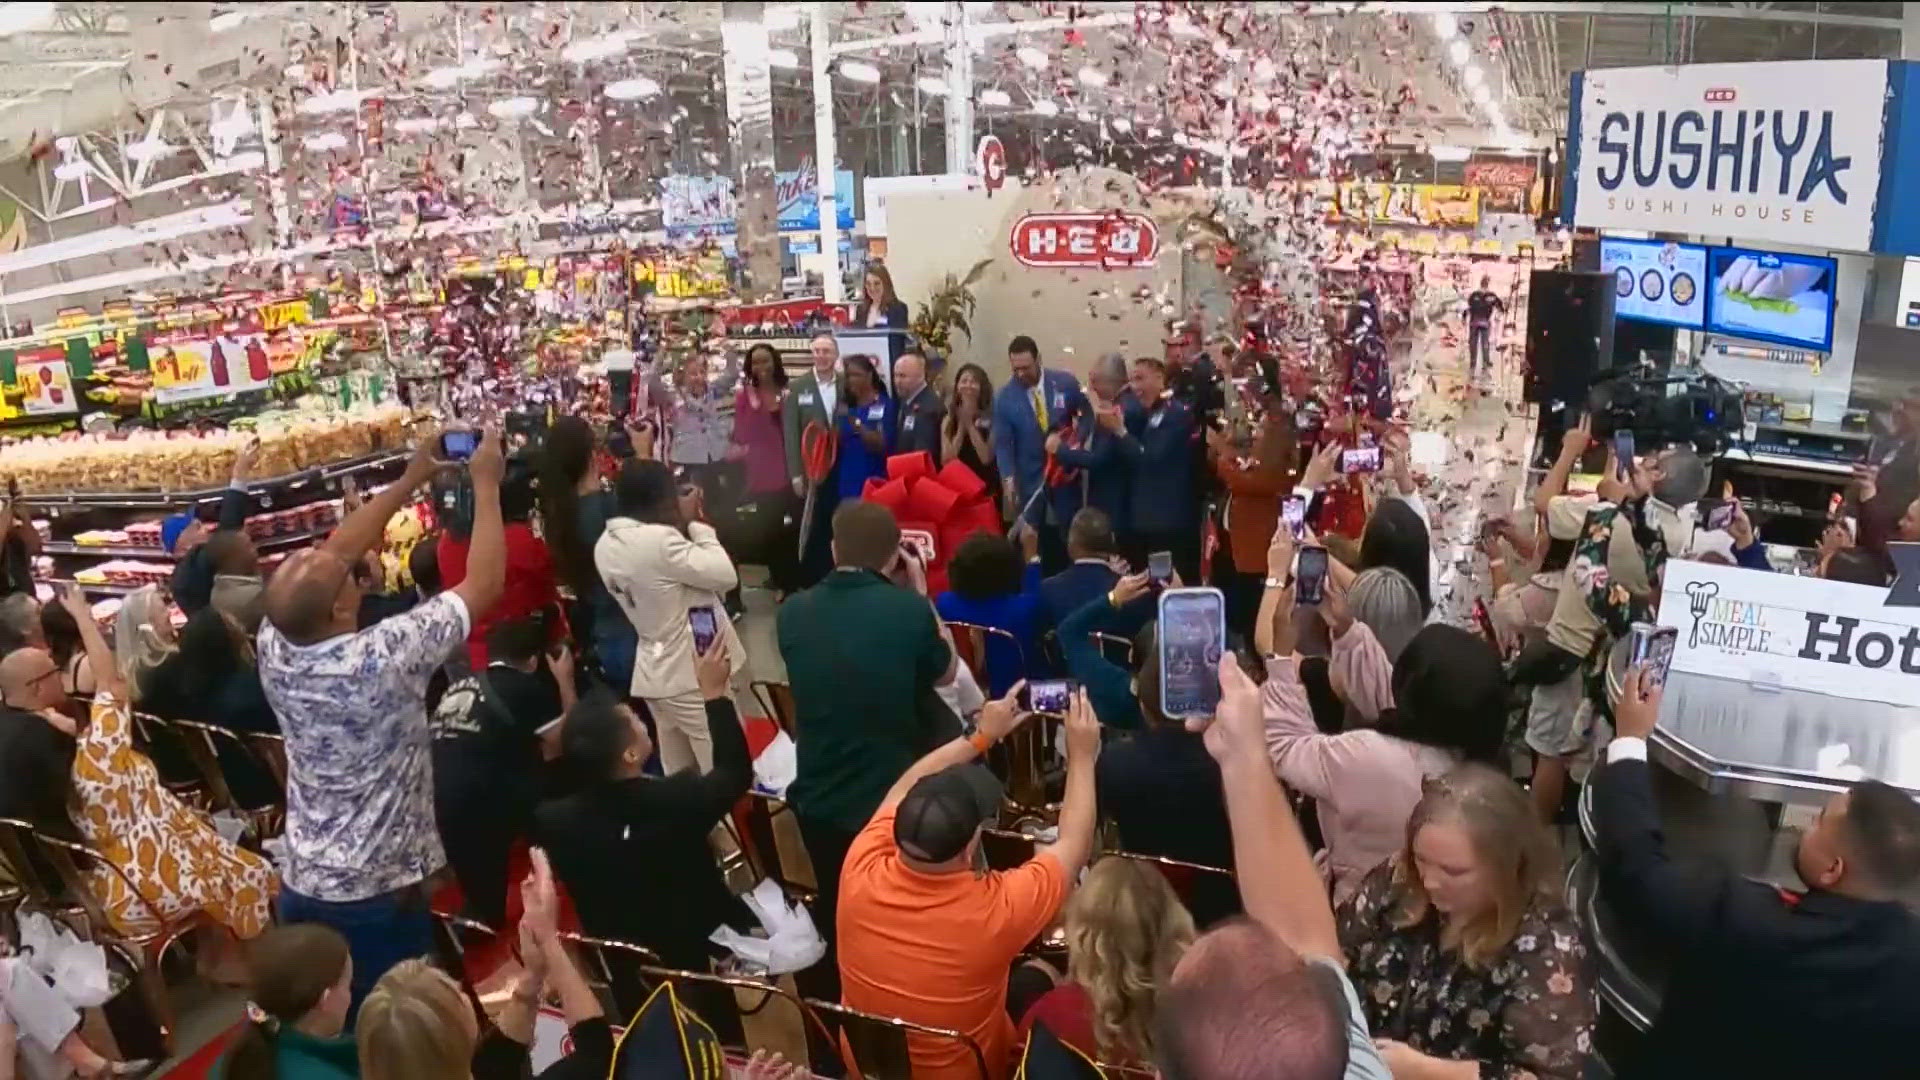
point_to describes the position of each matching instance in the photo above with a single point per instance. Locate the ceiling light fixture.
(597, 48)
(783, 58)
(1445, 25)
(932, 85)
(1459, 51)
(1473, 76)
(859, 71)
(1482, 95)
(72, 169)
(1031, 57)
(1450, 153)
(1044, 107)
(333, 101)
(630, 89)
(417, 125)
(329, 140)
(243, 162)
(513, 108)
(1092, 76)
(991, 96)
(1122, 124)
(149, 148)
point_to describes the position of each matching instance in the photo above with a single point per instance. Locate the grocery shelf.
(134, 551)
(171, 500)
(101, 589)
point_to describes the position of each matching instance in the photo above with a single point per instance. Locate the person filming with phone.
(667, 571)
(1765, 983)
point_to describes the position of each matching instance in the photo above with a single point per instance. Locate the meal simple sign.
(1804, 632)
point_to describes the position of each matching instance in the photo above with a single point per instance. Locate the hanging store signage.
(706, 203)
(1787, 630)
(1787, 151)
(45, 382)
(187, 367)
(1506, 183)
(991, 158)
(1435, 205)
(1112, 241)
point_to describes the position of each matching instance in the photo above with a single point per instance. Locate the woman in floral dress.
(169, 853)
(1466, 963)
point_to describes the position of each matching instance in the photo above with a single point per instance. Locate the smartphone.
(1160, 567)
(1192, 638)
(706, 627)
(1048, 695)
(1653, 646)
(458, 445)
(1622, 454)
(1293, 511)
(1716, 513)
(1309, 575)
(1360, 459)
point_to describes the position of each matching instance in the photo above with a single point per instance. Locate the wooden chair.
(452, 936)
(761, 845)
(1115, 648)
(1006, 849)
(879, 1044)
(204, 743)
(777, 700)
(144, 952)
(173, 758)
(606, 955)
(970, 641)
(271, 750)
(1030, 750)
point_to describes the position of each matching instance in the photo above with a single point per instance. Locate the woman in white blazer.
(660, 564)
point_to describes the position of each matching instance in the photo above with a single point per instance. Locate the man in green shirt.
(863, 657)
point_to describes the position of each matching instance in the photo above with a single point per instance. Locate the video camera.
(1662, 409)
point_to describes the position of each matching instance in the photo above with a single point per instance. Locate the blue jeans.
(381, 931)
(1479, 342)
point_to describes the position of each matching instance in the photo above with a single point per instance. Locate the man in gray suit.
(812, 399)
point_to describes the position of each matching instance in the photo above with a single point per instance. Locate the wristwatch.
(1279, 583)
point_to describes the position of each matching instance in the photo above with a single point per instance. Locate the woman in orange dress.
(175, 859)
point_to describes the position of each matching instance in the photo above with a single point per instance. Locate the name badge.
(806, 397)
(876, 412)
(1154, 420)
(907, 424)
(1059, 401)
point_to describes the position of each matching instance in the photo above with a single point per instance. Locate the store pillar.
(959, 75)
(743, 34)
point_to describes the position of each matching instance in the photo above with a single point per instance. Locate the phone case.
(1205, 680)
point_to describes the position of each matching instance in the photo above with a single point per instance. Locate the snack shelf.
(135, 551)
(174, 500)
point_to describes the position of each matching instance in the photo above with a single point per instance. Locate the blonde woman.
(1125, 930)
(1466, 962)
(169, 855)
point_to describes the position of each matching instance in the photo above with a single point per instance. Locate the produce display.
(184, 461)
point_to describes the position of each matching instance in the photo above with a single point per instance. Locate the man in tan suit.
(813, 398)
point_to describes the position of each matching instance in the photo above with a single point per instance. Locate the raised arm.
(1108, 685)
(1572, 445)
(233, 501)
(1079, 812)
(106, 674)
(487, 548)
(362, 528)
(1278, 884)
(732, 773)
(998, 718)
(698, 560)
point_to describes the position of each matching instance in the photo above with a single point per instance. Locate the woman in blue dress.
(867, 421)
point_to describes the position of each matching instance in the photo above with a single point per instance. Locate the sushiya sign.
(1782, 629)
(1787, 151)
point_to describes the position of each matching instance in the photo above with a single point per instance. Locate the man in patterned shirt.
(352, 705)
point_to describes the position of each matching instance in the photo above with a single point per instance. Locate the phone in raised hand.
(1310, 574)
(1652, 646)
(1048, 695)
(1622, 455)
(1160, 568)
(1293, 511)
(706, 628)
(458, 444)
(1192, 637)
(1361, 459)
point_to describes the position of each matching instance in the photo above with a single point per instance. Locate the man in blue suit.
(1095, 549)
(1163, 503)
(1033, 404)
(1093, 447)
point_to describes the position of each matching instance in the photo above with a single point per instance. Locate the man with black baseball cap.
(926, 936)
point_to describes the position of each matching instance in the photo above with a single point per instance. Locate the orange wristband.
(981, 742)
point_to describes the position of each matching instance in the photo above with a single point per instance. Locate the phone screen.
(1653, 646)
(1361, 459)
(1717, 512)
(1293, 511)
(1049, 695)
(1622, 454)
(1193, 635)
(1309, 575)
(458, 445)
(1160, 567)
(705, 628)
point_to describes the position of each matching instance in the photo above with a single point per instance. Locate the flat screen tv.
(1656, 281)
(1772, 296)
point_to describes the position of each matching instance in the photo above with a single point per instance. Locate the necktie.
(1040, 406)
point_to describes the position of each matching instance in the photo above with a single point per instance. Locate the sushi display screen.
(1772, 296)
(1657, 281)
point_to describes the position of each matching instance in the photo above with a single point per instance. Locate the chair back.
(1032, 748)
(777, 700)
(1115, 648)
(201, 744)
(33, 871)
(173, 758)
(762, 815)
(880, 1045)
(1006, 849)
(452, 936)
(604, 956)
(970, 640)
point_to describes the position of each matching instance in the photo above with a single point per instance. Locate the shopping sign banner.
(45, 383)
(1786, 630)
(187, 367)
(1116, 240)
(1787, 151)
(706, 203)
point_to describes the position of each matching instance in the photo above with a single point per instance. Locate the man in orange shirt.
(924, 935)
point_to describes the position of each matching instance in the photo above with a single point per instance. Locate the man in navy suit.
(1163, 503)
(1034, 403)
(1093, 547)
(1093, 448)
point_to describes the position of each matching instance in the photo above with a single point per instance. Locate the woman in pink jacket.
(1442, 702)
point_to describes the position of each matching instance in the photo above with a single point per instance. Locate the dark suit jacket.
(1762, 985)
(1162, 791)
(896, 315)
(1103, 478)
(919, 424)
(1074, 588)
(801, 407)
(1159, 447)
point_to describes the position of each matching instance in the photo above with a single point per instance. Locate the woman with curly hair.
(1125, 930)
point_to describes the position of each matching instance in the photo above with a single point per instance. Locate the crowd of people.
(1335, 874)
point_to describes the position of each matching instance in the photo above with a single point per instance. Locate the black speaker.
(1569, 334)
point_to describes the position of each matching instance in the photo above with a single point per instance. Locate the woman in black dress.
(967, 432)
